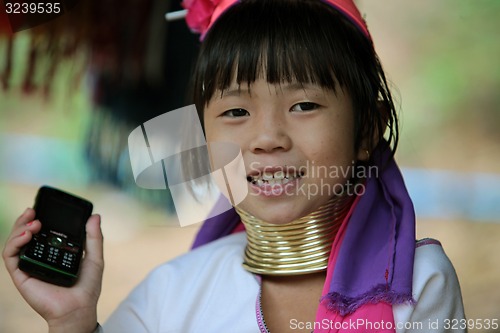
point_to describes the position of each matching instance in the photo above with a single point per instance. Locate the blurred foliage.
(62, 114)
(447, 64)
(462, 74)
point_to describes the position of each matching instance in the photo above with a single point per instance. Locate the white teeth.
(279, 175)
(277, 178)
(267, 175)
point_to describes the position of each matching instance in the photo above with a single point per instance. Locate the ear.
(370, 141)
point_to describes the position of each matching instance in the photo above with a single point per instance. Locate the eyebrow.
(234, 92)
(284, 87)
(300, 86)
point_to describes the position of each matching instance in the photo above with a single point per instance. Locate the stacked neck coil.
(299, 247)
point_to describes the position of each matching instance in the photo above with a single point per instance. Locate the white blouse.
(207, 290)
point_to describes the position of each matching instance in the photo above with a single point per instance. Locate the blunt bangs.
(299, 41)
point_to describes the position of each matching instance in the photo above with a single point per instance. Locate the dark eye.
(305, 106)
(235, 113)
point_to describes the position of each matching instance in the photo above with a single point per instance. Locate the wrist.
(75, 323)
(85, 328)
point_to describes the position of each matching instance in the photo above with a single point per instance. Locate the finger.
(24, 219)
(27, 216)
(22, 236)
(12, 248)
(16, 242)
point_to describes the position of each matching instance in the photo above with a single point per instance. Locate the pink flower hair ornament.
(201, 14)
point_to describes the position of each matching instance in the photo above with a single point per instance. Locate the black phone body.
(54, 253)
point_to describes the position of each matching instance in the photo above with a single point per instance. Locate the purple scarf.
(375, 260)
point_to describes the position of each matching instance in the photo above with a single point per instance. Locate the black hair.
(305, 41)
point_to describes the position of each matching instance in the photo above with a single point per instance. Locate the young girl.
(329, 242)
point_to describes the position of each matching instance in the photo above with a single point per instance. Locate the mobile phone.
(54, 253)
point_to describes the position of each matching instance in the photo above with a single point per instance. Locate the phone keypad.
(38, 250)
(53, 255)
(61, 257)
(68, 259)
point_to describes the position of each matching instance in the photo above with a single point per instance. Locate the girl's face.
(297, 143)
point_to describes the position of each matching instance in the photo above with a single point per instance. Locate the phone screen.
(61, 216)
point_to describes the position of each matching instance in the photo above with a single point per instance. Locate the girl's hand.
(65, 309)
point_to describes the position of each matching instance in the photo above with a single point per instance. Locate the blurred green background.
(442, 57)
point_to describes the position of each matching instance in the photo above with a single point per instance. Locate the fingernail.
(29, 223)
(24, 233)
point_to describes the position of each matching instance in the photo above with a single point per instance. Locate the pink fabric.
(199, 14)
(368, 318)
(203, 13)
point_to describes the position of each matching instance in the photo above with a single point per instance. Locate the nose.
(270, 134)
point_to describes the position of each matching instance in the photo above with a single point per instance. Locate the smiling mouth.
(279, 177)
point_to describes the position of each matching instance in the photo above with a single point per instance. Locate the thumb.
(93, 262)
(94, 242)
